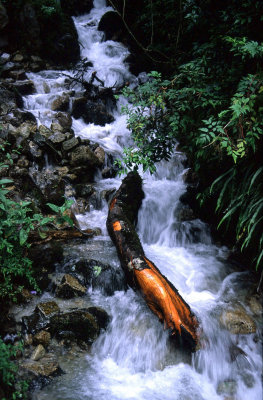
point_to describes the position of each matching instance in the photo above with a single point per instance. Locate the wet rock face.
(81, 323)
(101, 276)
(91, 111)
(8, 101)
(40, 373)
(40, 319)
(237, 321)
(43, 338)
(83, 155)
(70, 287)
(112, 25)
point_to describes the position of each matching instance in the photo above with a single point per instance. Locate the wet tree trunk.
(160, 295)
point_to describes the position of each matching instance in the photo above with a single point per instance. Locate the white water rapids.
(134, 358)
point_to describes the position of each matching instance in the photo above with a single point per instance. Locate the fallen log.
(159, 293)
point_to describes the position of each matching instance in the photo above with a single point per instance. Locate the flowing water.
(134, 359)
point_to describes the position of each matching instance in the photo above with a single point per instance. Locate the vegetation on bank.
(209, 98)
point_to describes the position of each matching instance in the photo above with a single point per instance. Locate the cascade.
(134, 358)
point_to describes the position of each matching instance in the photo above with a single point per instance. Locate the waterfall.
(134, 359)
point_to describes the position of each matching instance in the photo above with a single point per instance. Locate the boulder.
(38, 353)
(57, 139)
(61, 103)
(50, 186)
(64, 120)
(70, 144)
(112, 25)
(100, 315)
(25, 87)
(186, 214)
(101, 276)
(42, 337)
(40, 319)
(40, 372)
(18, 75)
(96, 113)
(79, 107)
(8, 101)
(70, 287)
(237, 321)
(80, 322)
(83, 155)
(84, 190)
(44, 131)
(100, 153)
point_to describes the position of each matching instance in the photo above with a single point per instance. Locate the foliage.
(16, 222)
(211, 101)
(8, 369)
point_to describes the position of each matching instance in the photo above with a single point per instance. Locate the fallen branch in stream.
(160, 295)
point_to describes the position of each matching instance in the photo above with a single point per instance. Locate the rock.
(44, 131)
(24, 87)
(186, 214)
(62, 171)
(112, 25)
(61, 103)
(28, 339)
(57, 139)
(97, 114)
(45, 255)
(70, 144)
(101, 276)
(83, 155)
(64, 120)
(43, 338)
(84, 190)
(100, 153)
(50, 186)
(47, 367)
(35, 153)
(237, 321)
(18, 75)
(55, 127)
(18, 57)
(228, 387)
(80, 322)
(109, 172)
(255, 305)
(190, 177)
(78, 107)
(38, 353)
(8, 101)
(47, 309)
(70, 287)
(40, 318)
(24, 296)
(100, 315)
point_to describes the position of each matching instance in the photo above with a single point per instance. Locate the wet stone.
(61, 103)
(38, 353)
(70, 144)
(47, 367)
(81, 322)
(47, 309)
(43, 338)
(237, 321)
(70, 287)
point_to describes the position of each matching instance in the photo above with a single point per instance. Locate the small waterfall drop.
(134, 358)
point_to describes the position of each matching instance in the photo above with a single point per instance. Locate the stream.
(134, 358)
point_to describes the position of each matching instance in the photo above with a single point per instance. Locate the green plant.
(14, 389)
(17, 221)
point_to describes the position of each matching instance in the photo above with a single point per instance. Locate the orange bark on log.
(160, 294)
